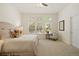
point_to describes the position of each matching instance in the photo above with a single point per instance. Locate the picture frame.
(61, 25)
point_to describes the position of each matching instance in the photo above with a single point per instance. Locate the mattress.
(23, 43)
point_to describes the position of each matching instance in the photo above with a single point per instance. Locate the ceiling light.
(43, 5)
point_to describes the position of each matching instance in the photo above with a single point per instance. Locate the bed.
(24, 45)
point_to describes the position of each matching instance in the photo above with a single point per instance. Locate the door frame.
(71, 30)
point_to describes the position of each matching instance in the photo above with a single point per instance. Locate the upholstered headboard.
(5, 29)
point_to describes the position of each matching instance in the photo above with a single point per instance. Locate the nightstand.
(49, 36)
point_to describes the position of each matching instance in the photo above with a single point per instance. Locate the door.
(75, 31)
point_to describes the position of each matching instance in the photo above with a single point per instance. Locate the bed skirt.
(24, 53)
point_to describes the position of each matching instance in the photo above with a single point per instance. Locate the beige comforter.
(23, 43)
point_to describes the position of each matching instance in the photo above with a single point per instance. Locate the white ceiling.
(35, 8)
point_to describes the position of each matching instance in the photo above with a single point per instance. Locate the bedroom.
(31, 29)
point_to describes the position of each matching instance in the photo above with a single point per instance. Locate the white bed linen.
(23, 43)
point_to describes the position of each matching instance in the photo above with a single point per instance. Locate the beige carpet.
(56, 48)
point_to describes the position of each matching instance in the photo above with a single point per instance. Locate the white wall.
(9, 14)
(66, 14)
(28, 18)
